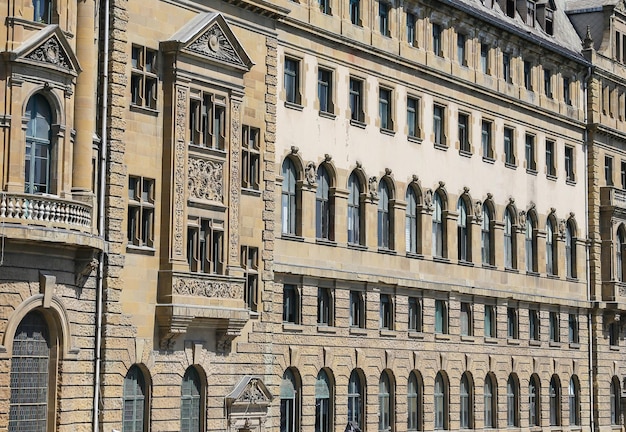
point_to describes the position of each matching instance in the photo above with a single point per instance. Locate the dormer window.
(530, 13)
(549, 28)
(510, 8)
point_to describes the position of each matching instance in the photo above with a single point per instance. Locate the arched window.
(412, 228)
(509, 240)
(385, 218)
(385, 402)
(616, 411)
(32, 366)
(490, 402)
(354, 210)
(512, 402)
(570, 250)
(323, 403)
(441, 402)
(466, 409)
(621, 247)
(486, 237)
(191, 402)
(463, 236)
(356, 402)
(551, 253)
(555, 401)
(289, 403)
(531, 245)
(38, 146)
(42, 11)
(289, 198)
(438, 230)
(534, 401)
(574, 401)
(134, 402)
(323, 206)
(414, 403)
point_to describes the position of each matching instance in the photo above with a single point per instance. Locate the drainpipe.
(101, 225)
(587, 246)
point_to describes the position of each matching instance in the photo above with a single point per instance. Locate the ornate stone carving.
(235, 180)
(428, 199)
(252, 394)
(309, 173)
(206, 180)
(372, 186)
(478, 211)
(521, 221)
(179, 173)
(562, 226)
(207, 288)
(51, 52)
(214, 44)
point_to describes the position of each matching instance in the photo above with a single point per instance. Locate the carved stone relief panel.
(205, 180)
(235, 180)
(178, 196)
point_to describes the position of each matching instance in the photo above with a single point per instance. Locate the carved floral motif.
(252, 394)
(206, 180)
(179, 172)
(207, 288)
(213, 43)
(51, 52)
(235, 181)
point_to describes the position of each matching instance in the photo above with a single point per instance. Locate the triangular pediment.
(620, 7)
(209, 36)
(250, 391)
(48, 48)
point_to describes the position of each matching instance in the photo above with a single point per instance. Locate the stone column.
(475, 232)
(519, 247)
(370, 228)
(450, 249)
(17, 133)
(497, 243)
(307, 209)
(234, 183)
(398, 210)
(541, 251)
(425, 242)
(85, 98)
(341, 214)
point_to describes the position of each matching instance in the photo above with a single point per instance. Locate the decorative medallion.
(214, 43)
(52, 53)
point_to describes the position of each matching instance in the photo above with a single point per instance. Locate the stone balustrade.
(45, 210)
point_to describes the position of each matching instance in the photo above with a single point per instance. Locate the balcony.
(613, 197)
(47, 218)
(211, 301)
(614, 292)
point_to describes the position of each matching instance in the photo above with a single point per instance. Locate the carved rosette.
(235, 179)
(179, 174)
(206, 180)
(207, 288)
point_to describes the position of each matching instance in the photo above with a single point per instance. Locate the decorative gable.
(249, 391)
(209, 36)
(48, 48)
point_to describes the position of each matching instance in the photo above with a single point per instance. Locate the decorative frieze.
(178, 197)
(207, 287)
(205, 180)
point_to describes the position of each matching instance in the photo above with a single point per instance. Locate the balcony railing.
(44, 210)
(612, 196)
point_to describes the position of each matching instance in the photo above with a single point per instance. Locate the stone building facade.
(284, 216)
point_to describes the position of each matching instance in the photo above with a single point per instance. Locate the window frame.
(192, 402)
(461, 49)
(414, 403)
(383, 18)
(441, 403)
(413, 126)
(356, 100)
(464, 238)
(141, 212)
(570, 175)
(40, 111)
(438, 227)
(554, 327)
(487, 236)
(466, 320)
(290, 198)
(512, 402)
(466, 402)
(490, 321)
(250, 264)
(509, 147)
(439, 125)
(412, 224)
(324, 402)
(356, 396)
(292, 80)
(208, 118)
(357, 309)
(291, 304)
(555, 401)
(144, 79)
(354, 11)
(294, 407)
(325, 307)
(464, 132)
(512, 323)
(139, 400)
(325, 89)
(250, 157)
(385, 216)
(486, 131)
(386, 312)
(550, 158)
(490, 402)
(324, 205)
(437, 39)
(441, 324)
(356, 211)
(530, 153)
(415, 315)
(385, 108)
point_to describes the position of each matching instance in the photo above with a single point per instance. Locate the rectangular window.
(464, 143)
(490, 321)
(438, 125)
(618, 49)
(531, 164)
(357, 310)
(530, 13)
(383, 18)
(484, 58)
(566, 91)
(533, 325)
(140, 229)
(550, 165)
(614, 333)
(292, 80)
(356, 100)
(325, 90)
(441, 317)
(386, 312)
(410, 29)
(547, 82)
(461, 53)
(205, 246)
(569, 164)
(549, 22)
(143, 80)
(573, 329)
(207, 120)
(555, 332)
(506, 68)
(325, 7)
(250, 157)
(466, 320)
(355, 12)
(511, 323)
(623, 174)
(509, 146)
(415, 315)
(384, 109)
(324, 306)
(412, 117)
(608, 170)
(291, 304)
(487, 142)
(437, 32)
(528, 75)
(250, 265)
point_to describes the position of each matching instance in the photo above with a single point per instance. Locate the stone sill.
(387, 333)
(442, 336)
(512, 341)
(140, 250)
(415, 334)
(357, 331)
(327, 115)
(491, 340)
(535, 343)
(291, 327)
(321, 328)
(293, 106)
